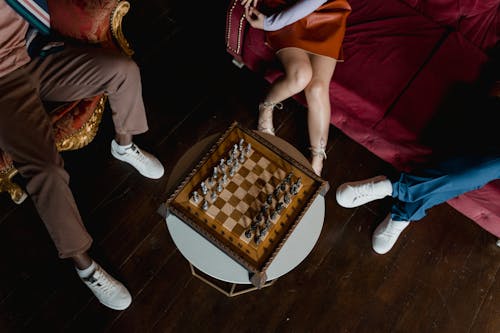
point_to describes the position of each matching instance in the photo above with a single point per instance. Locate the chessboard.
(246, 196)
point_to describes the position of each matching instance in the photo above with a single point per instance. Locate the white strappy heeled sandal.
(318, 152)
(262, 110)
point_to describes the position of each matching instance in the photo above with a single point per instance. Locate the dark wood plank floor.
(442, 276)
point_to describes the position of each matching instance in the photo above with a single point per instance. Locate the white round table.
(209, 259)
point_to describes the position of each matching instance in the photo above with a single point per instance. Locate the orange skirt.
(320, 32)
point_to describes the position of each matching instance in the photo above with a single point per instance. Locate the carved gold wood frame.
(119, 12)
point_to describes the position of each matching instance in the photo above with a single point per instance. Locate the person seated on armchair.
(306, 36)
(414, 193)
(69, 73)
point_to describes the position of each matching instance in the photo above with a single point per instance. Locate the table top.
(211, 260)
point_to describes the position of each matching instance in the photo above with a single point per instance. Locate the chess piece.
(248, 148)
(274, 215)
(269, 199)
(242, 158)
(204, 188)
(253, 225)
(219, 187)
(287, 198)
(232, 171)
(222, 165)
(240, 144)
(294, 189)
(248, 233)
(213, 195)
(196, 197)
(224, 179)
(215, 174)
(204, 206)
(282, 186)
(279, 207)
(298, 182)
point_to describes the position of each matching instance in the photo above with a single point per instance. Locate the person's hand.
(249, 3)
(254, 17)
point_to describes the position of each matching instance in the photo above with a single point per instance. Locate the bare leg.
(318, 101)
(297, 75)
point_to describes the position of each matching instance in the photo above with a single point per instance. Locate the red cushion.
(477, 20)
(87, 20)
(69, 118)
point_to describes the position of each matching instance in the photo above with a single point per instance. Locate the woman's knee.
(317, 89)
(300, 78)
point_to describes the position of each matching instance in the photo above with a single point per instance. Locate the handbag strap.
(236, 25)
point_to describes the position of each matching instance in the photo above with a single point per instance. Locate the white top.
(289, 15)
(209, 259)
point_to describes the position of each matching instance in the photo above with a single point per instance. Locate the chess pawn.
(282, 186)
(219, 187)
(242, 158)
(215, 174)
(224, 179)
(204, 206)
(213, 196)
(248, 233)
(232, 171)
(240, 144)
(287, 198)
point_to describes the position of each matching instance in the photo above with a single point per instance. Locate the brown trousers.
(26, 131)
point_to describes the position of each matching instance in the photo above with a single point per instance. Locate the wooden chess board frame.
(180, 203)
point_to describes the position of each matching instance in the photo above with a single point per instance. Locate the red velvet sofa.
(402, 60)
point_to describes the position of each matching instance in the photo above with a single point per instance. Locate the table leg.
(234, 288)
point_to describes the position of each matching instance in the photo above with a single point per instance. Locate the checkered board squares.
(243, 195)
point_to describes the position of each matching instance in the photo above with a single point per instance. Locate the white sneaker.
(147, 165)
(108, 291)
(354, 194)
(386, 234)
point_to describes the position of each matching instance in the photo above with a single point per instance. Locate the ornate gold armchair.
(76, 123)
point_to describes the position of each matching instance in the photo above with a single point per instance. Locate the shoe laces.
(364, 190)
(137, 153)
(101, 281)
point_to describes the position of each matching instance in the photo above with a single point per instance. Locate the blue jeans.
(416, 192)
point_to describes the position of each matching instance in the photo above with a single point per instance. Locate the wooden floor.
(443, 275)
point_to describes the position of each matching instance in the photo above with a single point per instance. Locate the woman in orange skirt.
(306, 36)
